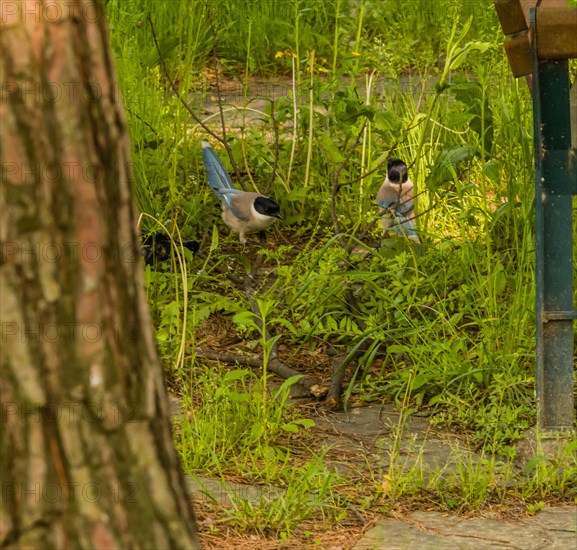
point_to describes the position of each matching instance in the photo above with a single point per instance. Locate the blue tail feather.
(405, 226)
(218, 177)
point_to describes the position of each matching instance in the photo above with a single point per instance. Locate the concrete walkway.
(550, 529)
(364, 436)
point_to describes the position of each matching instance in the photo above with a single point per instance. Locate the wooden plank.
(556, 30)
(511, 15)
(518, 49)
(514, 18)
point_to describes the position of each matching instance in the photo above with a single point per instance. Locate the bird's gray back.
(242, 203)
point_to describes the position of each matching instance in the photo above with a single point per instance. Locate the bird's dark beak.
(277, 215)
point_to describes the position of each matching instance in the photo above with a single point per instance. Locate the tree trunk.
(87, 459)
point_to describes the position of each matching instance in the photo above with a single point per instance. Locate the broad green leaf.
(305, 422)
(214, 238)
(330, 149)
(235, 375)
(445, 167)
(244, 318)
(292, 428)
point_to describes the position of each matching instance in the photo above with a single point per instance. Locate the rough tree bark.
(86, 458)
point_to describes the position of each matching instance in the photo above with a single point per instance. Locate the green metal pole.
(556, 181)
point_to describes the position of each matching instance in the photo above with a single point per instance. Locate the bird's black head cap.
(267, 207)
(397, 171)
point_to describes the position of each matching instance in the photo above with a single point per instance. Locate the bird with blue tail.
(243, 211)
(395, 199)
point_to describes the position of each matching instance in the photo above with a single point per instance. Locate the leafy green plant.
(309, 493)
(552, 474)
(234, 423)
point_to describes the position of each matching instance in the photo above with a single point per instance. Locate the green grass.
(235, 429)
(232, 423)
(449, 323)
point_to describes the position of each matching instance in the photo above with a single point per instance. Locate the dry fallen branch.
(310, 383)
(231, 358)
(333, 399)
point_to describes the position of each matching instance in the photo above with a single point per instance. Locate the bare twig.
(336, 185)
(335, 388)
(224, 141)
(333, 395)
(176, 92)
(364, 175)
(143, 121)
(381, 164)
(333, 398)
(276, 149)
(175, 89)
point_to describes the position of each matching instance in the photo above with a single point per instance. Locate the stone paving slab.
(551, 529)
(369, 433)
(216, 490)
(365, 435)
